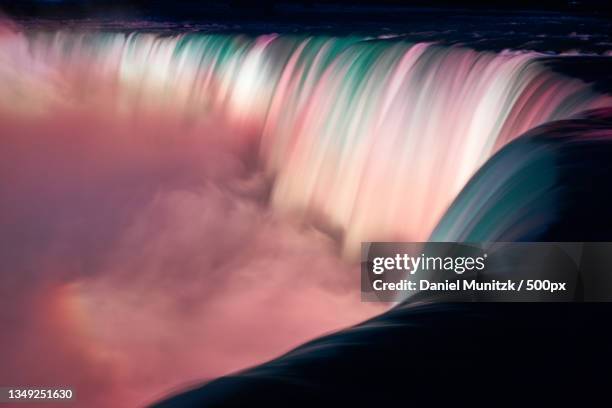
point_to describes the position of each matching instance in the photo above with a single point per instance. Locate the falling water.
(367, 137)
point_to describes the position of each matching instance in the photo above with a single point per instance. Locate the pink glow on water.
(178, 207)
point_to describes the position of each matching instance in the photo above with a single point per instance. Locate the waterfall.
(370, 137)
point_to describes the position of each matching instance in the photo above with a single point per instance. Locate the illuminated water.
(371, 139)
(142, 236)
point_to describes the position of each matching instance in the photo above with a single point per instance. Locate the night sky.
(244, 9)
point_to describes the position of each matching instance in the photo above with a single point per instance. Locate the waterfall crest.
(374, 138)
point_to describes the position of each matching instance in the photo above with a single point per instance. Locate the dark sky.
(197, 9)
